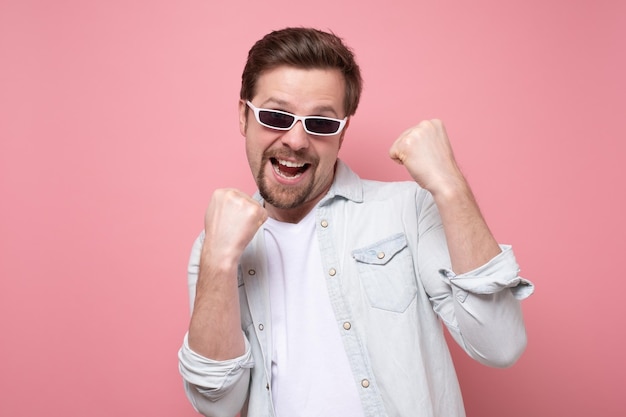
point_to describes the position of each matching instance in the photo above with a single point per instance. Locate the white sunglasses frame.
(256, 110)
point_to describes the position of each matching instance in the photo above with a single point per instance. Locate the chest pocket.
(386, 272)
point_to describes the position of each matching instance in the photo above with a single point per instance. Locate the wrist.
(219, 259)
(451, 189)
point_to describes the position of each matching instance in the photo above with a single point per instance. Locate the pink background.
(118, 119)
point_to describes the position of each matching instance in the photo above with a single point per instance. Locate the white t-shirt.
(310, 371)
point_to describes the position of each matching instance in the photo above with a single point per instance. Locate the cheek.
(328, 158)
(253, 154)
(257, 143)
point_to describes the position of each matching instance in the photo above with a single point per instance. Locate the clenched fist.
(426, 153)
(230, 222)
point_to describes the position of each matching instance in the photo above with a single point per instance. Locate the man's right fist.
(230, 222)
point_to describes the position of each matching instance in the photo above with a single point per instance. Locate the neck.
(293, 215)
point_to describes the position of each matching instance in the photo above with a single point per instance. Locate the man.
(324, 294)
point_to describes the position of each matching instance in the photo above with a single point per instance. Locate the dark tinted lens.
(279, 120)
(322, 125)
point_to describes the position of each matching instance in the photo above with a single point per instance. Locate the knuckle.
(428, 125)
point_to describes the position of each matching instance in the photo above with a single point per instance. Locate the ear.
(343, 132)
(243, 117)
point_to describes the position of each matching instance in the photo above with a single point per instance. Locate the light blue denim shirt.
(391, 287)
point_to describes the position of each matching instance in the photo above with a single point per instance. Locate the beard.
(282, 196)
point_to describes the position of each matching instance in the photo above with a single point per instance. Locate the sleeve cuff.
(212, 378)
(499, 273)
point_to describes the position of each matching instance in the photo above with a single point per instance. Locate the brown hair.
(303, 48)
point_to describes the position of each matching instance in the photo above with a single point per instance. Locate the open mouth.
(288, 169)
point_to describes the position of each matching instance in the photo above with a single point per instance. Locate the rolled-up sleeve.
(215, 388)
(499, 273)
(487, 318)
(481, 308)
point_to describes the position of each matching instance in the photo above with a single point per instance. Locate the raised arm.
(479, 299)
(215, 359)
(231, 221)
(426, 153)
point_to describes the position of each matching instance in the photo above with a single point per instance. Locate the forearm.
(215, 325)
(469, 240)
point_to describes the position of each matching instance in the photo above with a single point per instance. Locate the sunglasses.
(281, 120)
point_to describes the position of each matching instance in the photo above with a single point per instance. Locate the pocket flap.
(382, 251)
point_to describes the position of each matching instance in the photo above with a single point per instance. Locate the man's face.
(293, 169)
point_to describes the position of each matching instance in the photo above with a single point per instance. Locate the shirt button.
(324, 223)
(380, 255)
(347, 325)
(267, 386)
(332, 272)
(261, 327)
(251, 272)
(365, 383)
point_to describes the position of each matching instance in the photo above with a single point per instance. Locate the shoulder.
(350, 185)
(372, 188)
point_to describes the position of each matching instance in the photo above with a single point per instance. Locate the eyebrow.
(284, 104)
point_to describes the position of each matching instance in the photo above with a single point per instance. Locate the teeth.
(291, 164)
(279, 172)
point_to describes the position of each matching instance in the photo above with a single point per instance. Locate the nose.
(296, 137)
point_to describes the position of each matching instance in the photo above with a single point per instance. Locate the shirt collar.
(347, 184)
